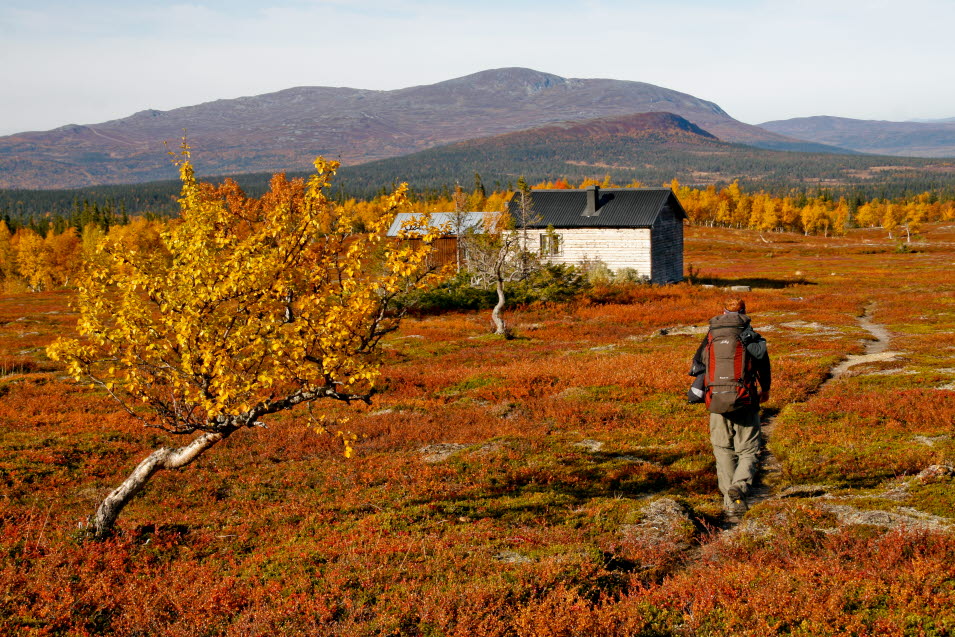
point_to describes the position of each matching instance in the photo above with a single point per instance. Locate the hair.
(735, 305)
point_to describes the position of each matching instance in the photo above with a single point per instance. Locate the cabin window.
(550, 243)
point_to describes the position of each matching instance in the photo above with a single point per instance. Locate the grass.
(542, 524)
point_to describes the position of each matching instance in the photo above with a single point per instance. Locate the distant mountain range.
(287, 129)
(934, 138)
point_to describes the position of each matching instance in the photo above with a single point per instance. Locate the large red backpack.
(730, 380)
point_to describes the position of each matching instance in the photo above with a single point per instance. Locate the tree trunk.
(499, 326)
(163, 458)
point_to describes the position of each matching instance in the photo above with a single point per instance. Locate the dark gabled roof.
(616, 208)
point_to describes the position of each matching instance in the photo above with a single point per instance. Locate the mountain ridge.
(652, 148)
(286, 129)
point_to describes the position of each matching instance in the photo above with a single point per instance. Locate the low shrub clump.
(553, 283)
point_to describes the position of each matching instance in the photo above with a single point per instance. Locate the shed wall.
(445, 249)
(667, 252)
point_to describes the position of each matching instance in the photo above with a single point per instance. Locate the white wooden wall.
(618, 248)
(660, 261)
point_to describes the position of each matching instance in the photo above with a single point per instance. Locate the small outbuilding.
(640, 229)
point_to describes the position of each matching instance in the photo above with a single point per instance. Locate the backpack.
(730, 381)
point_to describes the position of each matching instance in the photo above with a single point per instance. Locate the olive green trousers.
(736, 446)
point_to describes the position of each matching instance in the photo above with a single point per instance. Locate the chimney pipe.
(593, 196)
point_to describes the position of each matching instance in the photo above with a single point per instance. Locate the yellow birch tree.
(250, 307)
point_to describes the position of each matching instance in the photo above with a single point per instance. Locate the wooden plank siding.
(666, 237)
(445, 250)
(617, 248)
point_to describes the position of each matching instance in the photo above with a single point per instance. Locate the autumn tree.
(913, 216)
(7, 254)
(32, 259)
(869, 214)
(64, 252)
(841, 217)
(251, 307)
(892, 218)
(523, 218)
(459, 223)
(762, 216)
(501, 253)
(493, 260)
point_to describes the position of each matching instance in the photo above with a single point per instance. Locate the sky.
(68, 62)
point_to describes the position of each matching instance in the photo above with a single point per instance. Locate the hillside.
(650, 147)
(906, 139)
(287, 129)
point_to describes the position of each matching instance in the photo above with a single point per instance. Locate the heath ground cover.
(553, 484)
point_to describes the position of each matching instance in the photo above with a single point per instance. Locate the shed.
(625, 228)
(446, 249)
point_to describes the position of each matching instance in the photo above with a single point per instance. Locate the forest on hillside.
(433, 174)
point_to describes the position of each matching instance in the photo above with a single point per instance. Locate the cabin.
(639, 229)
(636, 229)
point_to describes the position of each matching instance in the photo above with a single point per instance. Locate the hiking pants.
(736, 444)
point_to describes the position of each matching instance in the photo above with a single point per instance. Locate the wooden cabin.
(624, 228)
(639, 229)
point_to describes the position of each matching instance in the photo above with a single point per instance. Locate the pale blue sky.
(68, 62)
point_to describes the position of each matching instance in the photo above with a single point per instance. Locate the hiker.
(733, 359)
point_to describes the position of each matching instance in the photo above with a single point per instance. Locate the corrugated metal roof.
(470, 221)
(616, 208)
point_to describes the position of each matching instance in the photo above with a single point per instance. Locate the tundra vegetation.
(552, 484)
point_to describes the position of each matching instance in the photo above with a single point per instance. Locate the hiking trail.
(876, 349)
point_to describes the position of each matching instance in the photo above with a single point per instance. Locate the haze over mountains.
(935, 138)
(287, 129)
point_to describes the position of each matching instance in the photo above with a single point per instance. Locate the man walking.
(734, 359)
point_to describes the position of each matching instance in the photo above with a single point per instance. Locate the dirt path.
(875, 350)
(771, 470)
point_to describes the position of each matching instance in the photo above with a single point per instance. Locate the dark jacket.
(755, 347)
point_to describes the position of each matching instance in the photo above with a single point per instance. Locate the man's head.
(733, 304)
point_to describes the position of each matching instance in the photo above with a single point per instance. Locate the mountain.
(906, 139)
(287, 129)
(649, 147)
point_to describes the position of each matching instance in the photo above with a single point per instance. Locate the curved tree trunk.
(499, 326)
(162, 458)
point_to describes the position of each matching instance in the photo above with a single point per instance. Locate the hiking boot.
(739, 501)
